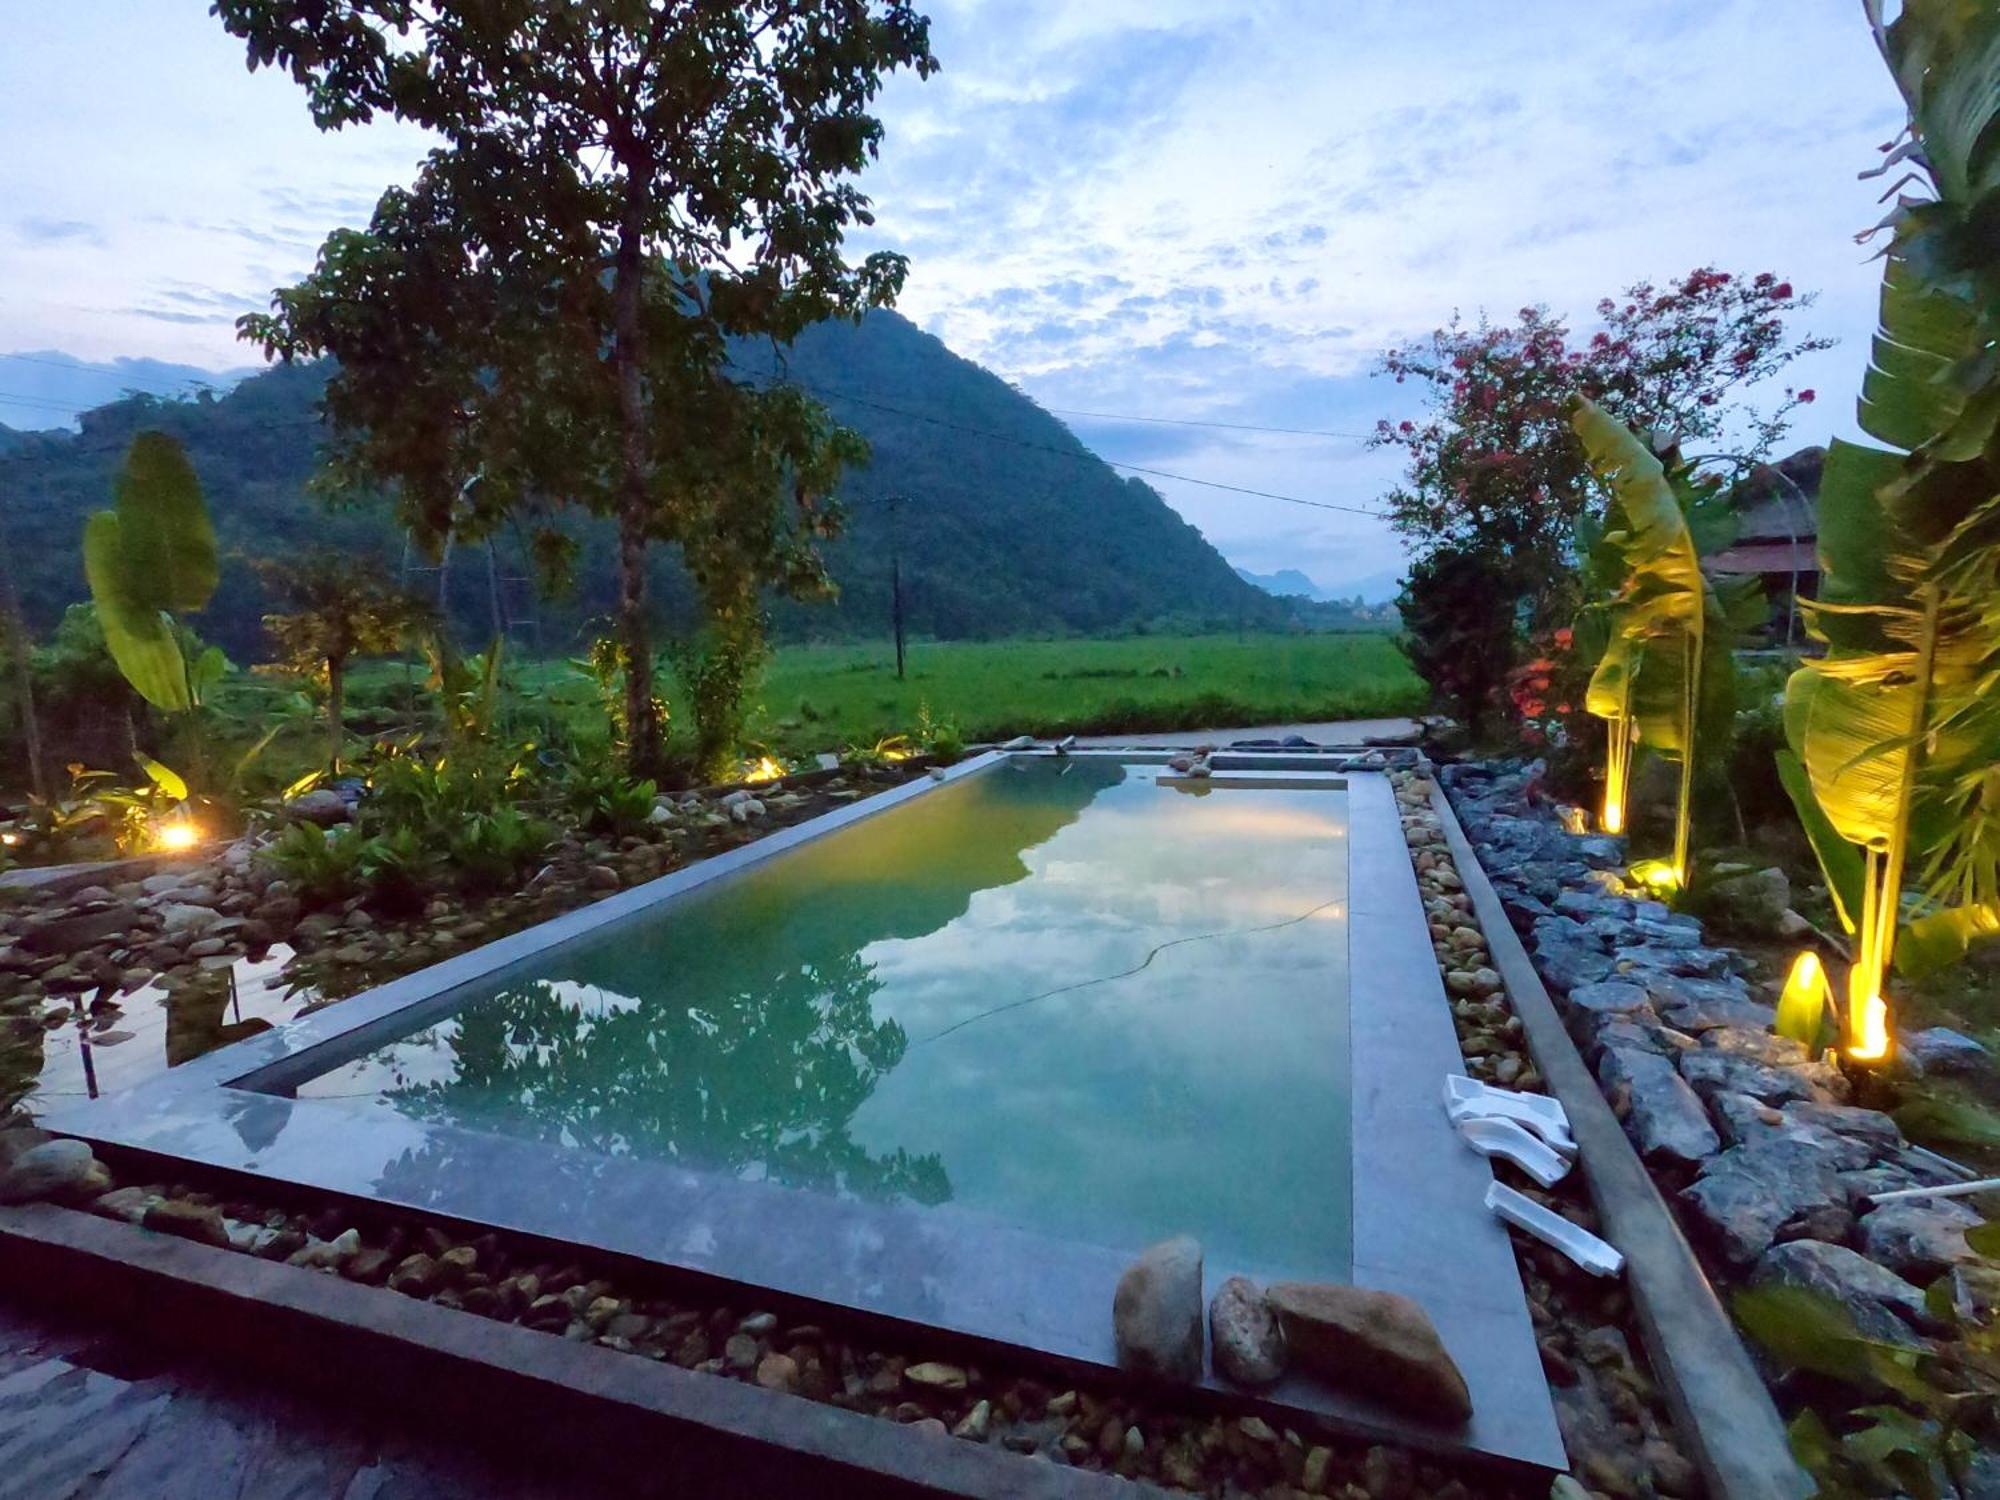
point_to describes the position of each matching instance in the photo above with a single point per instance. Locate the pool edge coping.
(1719, 1402)
(312, 1329)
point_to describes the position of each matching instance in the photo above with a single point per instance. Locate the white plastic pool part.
(1595, 1255)
(1506, 1139)
(1469, 1099)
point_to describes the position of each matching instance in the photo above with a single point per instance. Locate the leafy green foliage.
(1459, 631)
(322, 865)
(1897, 728)
(604, 800)
(155, 553)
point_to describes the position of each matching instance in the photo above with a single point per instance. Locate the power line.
(85, 367)
(1111, 416)
(1087, 456)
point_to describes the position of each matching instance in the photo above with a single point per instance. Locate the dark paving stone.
(89, 1417)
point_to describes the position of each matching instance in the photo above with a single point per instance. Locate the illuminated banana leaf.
(1897, 729)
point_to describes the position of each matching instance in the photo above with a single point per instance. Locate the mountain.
(1290, 583)
(1004, 522)
(1286, 583)
(45, 388)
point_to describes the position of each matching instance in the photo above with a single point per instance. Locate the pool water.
(1059, 993)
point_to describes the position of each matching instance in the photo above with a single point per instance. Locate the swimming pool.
(1068, 995)
(946, 1057)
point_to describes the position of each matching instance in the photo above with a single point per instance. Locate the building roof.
(1766, 557)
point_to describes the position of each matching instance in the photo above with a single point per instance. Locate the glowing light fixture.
(1658, 875)
(1623, 741)
(176, 836)
(1867, 1020)
(764, 768)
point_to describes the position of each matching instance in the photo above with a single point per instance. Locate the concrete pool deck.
(1420, 1226)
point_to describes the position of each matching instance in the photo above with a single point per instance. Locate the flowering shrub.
(1493, 466)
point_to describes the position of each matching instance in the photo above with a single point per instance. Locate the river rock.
(1753, 902)
(1878, 1300)
(322, 806)
(1711, 1071)
(1918, 1238)
(199, 1222)
(1249, 1348)
(55, 1169)
(1156, 1312)
(1664, 1118)
(1940, 1052)
(1750, 1195)
(1378, 1343)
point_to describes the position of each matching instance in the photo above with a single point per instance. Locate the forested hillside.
(1004, 522)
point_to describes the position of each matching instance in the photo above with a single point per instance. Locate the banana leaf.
(1839, 861)
(164, 530)
(139, 637)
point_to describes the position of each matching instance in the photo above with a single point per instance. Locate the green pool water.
(1059, 993)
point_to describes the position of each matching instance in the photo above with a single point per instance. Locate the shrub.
(1458, 631)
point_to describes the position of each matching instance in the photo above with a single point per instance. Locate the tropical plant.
(604, 800)
(333, 609)
(714, 669)
(467, 688)
(1665, 679)
(322, 864)
(491, 851)
(1895, 732)
(153, 555)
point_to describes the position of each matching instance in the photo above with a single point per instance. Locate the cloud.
(37, 231)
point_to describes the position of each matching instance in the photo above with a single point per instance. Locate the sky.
(1213, 211)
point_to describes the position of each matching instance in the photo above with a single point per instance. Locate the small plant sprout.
(1802, 1007)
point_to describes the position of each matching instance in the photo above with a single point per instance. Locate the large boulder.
(323, 806)
(1156, 1312)
(1750, 1196)
(1940, 1052)
(1243, 1329)
(1879, 1301)
(1662, 1114)
(1379, 1344)
(1711, 1071)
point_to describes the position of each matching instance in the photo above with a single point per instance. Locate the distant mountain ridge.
(1004, 523)
(1290, 583)
(42, 389)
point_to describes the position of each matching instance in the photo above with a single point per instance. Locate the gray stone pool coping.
(1719, 1402)
(1420, 1226)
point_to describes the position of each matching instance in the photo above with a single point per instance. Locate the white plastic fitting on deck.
(1469, 1099)
(1491, 1136)
(1596, 1256)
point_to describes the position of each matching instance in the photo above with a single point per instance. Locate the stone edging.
(1719, 1402)
(551, 1397)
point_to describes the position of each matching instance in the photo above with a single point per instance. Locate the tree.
(1494, 465)
(332, 611)
(630, 186)
(1458, 630)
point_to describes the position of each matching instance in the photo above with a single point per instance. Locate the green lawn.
(824, 697)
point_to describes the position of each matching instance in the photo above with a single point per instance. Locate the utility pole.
(896, 576)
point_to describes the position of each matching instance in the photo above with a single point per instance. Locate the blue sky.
(1192, 209)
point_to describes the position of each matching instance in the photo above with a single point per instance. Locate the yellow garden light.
(1867, 1020)
(176, 836)
(764, 768)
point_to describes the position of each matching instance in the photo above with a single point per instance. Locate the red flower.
(1782, 290)
(1565, 638)
(1808, 396)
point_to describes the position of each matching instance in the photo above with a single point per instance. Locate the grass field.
(815, 698)
(824, 697)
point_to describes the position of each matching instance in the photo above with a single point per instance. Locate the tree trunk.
(24, 682)
(336, 710)
(642, 729)
(24, 685)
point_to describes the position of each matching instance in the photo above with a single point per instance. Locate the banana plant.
(153, 555)
(1664, 679)
(1895, 733)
